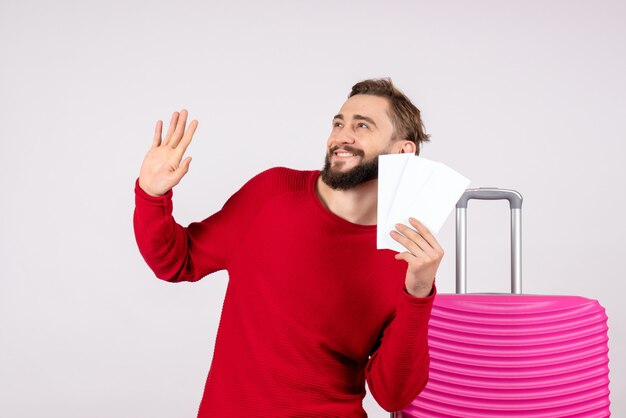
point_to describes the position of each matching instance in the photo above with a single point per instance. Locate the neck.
(357, 205)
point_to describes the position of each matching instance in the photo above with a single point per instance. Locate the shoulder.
(282, 179)
(274, 182)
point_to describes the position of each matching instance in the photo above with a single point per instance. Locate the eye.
(337, 124)
(363, 125)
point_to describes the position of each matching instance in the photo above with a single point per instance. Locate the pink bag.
(513, 355)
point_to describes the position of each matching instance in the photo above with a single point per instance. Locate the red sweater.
(312, 309)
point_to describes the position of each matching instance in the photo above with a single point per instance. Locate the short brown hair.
(405, 117)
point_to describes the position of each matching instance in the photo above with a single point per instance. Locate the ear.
(407, 146)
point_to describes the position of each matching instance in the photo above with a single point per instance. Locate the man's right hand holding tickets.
(162, 168)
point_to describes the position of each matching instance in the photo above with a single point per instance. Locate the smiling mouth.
(344, 154)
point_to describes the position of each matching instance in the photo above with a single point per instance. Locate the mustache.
(347, 148)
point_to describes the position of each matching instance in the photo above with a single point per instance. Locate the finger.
(410, 245)
(172, 127)
(176, 176)
(426, 234)
(406, 256)
(156, 141)
(180, 128)
(186, 140)
(415, 237)
(183, 168)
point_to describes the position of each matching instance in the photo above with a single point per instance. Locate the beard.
(362, 173)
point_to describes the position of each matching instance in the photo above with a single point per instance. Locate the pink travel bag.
(512, 355)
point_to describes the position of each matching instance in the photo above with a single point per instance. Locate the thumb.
(184, 167)
(177, 175)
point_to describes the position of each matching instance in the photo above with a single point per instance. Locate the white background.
(529, 95)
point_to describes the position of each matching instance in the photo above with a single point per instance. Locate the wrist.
(147, 191)
(419, 292)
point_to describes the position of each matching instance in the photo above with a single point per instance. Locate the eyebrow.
(358, 117)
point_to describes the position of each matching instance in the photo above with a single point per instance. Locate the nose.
(342, 136)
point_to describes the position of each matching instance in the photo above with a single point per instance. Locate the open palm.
(163, 167)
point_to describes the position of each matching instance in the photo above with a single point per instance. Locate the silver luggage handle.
(489, 193)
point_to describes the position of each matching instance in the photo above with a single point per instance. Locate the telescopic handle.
(489, 193)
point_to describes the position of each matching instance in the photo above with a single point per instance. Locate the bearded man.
(312, 310)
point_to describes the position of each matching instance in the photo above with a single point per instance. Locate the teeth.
(345, 154)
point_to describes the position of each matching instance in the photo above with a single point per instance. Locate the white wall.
(529, 95)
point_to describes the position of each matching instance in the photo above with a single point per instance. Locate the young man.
(312, 309)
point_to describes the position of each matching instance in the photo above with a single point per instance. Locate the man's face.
(361, 131)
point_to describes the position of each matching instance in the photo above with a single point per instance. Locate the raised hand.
(423, 256)
(162, 168)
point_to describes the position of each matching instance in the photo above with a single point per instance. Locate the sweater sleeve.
(176, 253)
(397, 371)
